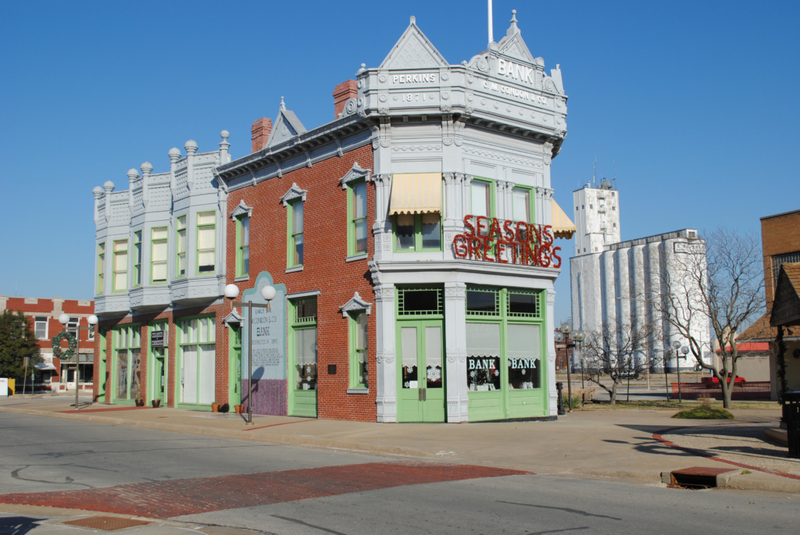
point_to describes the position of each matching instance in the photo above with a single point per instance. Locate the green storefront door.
(420, 388)
(159, 375)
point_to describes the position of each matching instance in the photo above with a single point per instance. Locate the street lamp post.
(685, 351)
(92, 320)
(577, 336)
(676, 346)
(268, 293)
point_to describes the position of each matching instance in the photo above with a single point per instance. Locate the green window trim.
(357, 218)
(126, 383)
(119, 281)
(419, 234)
(159, 255)
(303, 357)
(101, 267)
(419, 301)
(358, 326)
(199, 333)
(206, 253)
(181, 246)
(295, 239)
(243, 246)
(153, 381)
(137, 259)
(491, 193)
(531, 211)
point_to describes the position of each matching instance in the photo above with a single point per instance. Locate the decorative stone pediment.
(413, 51)
(241, 210)
(286, 126)
(513, 45)
(233, 317)
(294, 193)
(355, 173)
(354, 304)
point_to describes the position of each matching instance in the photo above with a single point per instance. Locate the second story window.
(72, 327)
(357, 209)
(180, 247)
(416, 206)
(159, 246)
(295, 234)
(243, 246)
(120, 266)
(101, 268)
(137, 258)
(40, 324)
(481, 198)
(206, 242)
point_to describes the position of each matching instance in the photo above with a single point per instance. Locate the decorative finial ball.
(190, 146)
(109, 185)
(147, 168)
(133, 174)
(413, 19)
(97, 190)
(225, 135)
(174, 152)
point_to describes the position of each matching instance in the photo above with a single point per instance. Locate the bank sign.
(269, 332)
(489, 239)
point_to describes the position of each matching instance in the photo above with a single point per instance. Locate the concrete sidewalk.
(613, 444)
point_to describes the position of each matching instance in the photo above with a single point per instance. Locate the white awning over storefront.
(416, 193)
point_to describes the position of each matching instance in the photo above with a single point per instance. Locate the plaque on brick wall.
(157, 339)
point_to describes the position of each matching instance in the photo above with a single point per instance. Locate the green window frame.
(127, 347)
(180, 246)
(120, 276)
(295, 241)
(482, 197)
(206, 243)
(195, 378)
(417, 232)
(243, 246)
(522, 205)
(303, 329)
(357, 230)
(159, 253)
(359, 361)
(137, 259)
(101, 267)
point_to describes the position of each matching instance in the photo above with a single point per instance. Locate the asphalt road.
(40, 455)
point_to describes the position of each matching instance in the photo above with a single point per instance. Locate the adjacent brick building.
(58, 374)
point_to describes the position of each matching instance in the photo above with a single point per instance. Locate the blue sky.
(693, 105)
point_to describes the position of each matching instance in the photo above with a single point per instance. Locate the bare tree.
(719, 286)
(617, 351)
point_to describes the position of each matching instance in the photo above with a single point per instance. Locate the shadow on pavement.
(18, 525)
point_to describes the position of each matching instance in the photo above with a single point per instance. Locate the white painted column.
(386, 398)
(549, 326)
(455, 328)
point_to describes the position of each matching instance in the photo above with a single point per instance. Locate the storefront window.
(128, 349)
(483, 301)
(523, 357)
(409, 356)
(419, 301)
(483, 357)
(197, 360)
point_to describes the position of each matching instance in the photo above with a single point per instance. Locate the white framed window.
(206, 242)
(120, 266)
(159, 247)
(40, 325)
(180, 246)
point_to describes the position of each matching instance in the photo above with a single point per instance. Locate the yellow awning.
(563, 227)
(416, 193)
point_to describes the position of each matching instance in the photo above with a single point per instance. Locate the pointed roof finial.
(413, 19)
(283, 105)
(513, 19)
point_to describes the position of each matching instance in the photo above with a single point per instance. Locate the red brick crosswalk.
(170, 498)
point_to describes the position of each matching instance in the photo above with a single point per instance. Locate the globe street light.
(676, 345)
(685, 351)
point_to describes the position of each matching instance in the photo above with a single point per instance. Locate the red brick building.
(58, 374)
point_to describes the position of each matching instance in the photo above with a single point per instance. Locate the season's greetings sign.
(507, 242)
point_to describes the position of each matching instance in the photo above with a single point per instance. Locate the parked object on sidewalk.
(140, 402)
(156, 403)
(238, 408)
(215, 407)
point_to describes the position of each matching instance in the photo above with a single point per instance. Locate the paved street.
(182, 482)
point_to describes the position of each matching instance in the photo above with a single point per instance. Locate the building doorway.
(421, 388)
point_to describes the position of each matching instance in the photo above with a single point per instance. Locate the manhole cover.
(107, 523)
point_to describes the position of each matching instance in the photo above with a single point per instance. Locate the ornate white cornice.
(355, 303)
(355, 173)
(241, 209)
(294, 193)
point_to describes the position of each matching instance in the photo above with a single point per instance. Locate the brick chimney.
(341, 93)
(259, 133)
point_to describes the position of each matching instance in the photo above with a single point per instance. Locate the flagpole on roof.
(491, 35)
